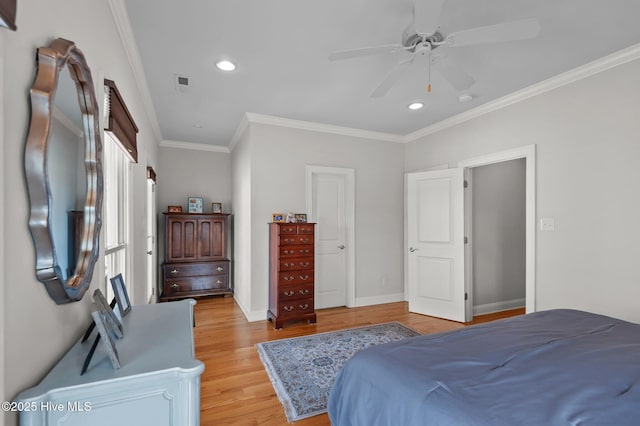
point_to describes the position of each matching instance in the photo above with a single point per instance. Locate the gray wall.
(498, 225)
(38, 332)
(278, 158)
(588, 165)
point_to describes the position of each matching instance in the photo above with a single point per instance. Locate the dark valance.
(151, 174)
(120, 122)
(8, 14)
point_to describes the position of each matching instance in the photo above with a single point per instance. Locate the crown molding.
(322, 128)
(194, 146)
(599, 65)
(123, 25)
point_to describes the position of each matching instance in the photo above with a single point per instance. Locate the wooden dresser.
(196, 262)
(291, 269)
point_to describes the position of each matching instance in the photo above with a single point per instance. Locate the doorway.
(330, 203)
(434, 283)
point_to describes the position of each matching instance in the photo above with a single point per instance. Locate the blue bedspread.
(558, 367)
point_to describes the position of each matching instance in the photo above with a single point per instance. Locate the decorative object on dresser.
(195, 204)
(216, 208)
(196, 262)
(121, 295)
(174, 209)
(291, 272)
(301, 217)
(277, 217)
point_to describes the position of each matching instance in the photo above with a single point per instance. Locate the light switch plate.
(547, 224)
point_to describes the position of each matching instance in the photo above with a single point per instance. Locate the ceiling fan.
(422, 37)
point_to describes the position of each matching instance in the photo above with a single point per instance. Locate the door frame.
(350, 255)
(527, 152)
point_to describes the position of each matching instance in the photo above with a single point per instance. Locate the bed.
(557, 367)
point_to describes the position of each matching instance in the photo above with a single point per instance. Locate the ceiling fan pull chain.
(429, 73)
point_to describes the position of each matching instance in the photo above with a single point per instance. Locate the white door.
(329, 205)
(152, 269)
(435, 237)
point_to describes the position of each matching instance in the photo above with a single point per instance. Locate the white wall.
(3, 206)
(38, 331)
(278, 159)
(499, 243)
(242, 208)
(588, 167)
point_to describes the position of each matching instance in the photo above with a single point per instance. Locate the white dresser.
(158, 383)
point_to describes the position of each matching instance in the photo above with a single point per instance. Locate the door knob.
(341, 247)
(150, 252)
(412, 249)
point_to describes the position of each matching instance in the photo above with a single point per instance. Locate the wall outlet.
(547, 224)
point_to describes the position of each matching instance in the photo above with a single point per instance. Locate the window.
(116, 210)
(120, 151)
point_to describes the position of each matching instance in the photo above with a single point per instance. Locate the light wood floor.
(235, 388)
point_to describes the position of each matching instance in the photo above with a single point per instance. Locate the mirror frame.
(50, 62)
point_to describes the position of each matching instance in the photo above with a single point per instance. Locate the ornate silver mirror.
(64, 171)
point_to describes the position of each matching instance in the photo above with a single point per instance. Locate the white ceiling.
(281, 49)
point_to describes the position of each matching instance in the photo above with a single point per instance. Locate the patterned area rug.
(302, 369)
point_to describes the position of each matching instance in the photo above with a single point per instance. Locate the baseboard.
(379, 300)
(490, 308)
(251, 316)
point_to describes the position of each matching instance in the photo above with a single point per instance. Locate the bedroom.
(588, 157)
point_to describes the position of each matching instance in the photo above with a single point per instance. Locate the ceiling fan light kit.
(423, 36)
(415, 106)
(225, 65)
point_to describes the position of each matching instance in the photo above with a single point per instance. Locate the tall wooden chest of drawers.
(195, 262)
(291, 269)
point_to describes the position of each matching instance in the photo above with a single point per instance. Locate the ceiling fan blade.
(458, 78)
(365, 51)
(426, 15)
(516, 30)
(392, 78)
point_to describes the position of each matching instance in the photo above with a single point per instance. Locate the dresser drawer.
(188, 284)
(295, 307)
(296, 239)
(298, 264)
(305, 229)
(295, 277)
(288, 229)
(176, 270)
(295, 251)
(294, 292)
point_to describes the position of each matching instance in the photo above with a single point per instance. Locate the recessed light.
(465, 97)
(225, 65)
(416, 105)
(198, 126)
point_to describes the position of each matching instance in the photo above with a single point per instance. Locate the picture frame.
(112, 323)
(301, 217)
(99, 317)
(174, 209)
(121, 295)
(277, 217)
(216, 208)
(195, 204)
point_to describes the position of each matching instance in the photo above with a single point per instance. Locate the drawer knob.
(289, 293)
(304, 277)
(289, 278)
(288, 308)
(174, 285)
(286, 265)
(305, 306)
(304, 264)
(304, 292)
(218, 282)
(219, 269)
(175, 271)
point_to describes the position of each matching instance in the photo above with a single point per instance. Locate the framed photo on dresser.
(195, 204)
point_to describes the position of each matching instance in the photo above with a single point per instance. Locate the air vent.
(181, 82)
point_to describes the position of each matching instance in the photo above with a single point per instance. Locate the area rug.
(302, 369)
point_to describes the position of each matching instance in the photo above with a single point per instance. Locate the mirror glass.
(67, 176)
(63, 169)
